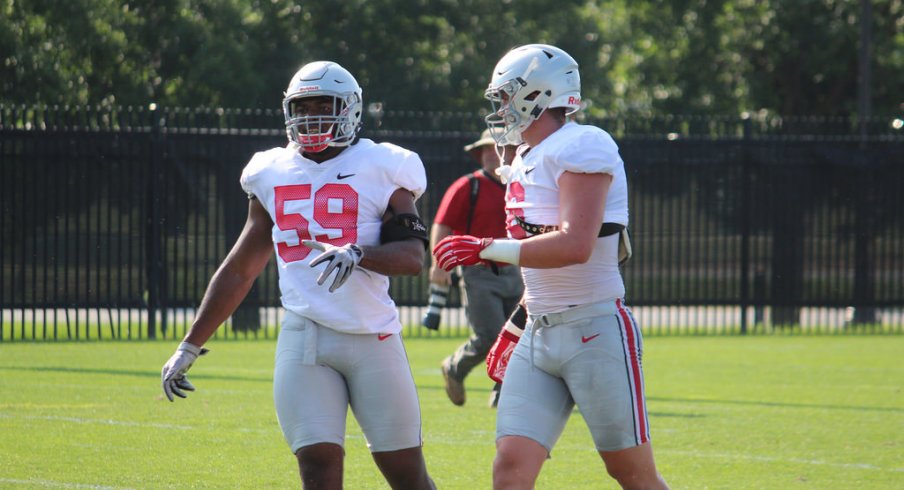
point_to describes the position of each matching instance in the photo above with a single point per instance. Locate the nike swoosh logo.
(529, 170)
(340, 176)
(383, 336)
(584, 340)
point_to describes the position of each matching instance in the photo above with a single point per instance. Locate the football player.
(340, 213)
(566, 209)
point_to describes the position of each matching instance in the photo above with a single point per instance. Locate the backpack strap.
(475, 188)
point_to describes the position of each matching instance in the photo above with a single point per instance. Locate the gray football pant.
(489, 300)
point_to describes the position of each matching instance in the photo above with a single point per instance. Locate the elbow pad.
(402, 227)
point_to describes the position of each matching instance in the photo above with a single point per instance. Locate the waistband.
(602, 308)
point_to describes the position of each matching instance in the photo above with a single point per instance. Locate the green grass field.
(776, 412)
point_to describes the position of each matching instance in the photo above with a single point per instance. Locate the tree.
(646, 57)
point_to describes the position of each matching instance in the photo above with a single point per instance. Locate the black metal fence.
(113, 220)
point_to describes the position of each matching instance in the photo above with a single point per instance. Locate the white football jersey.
(532, 195)
(339, 201)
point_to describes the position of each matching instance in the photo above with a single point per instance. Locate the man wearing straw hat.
(475, 204)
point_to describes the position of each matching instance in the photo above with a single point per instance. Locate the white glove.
(173, 374)
(342, 259)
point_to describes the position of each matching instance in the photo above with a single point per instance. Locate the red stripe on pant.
(631, 335)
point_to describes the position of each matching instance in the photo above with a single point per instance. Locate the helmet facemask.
(314, 133)
(506, 122)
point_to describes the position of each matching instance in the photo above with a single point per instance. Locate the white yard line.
(58, 484)
(774, 459)
(79, 420)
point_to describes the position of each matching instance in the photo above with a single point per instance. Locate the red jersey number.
(345, 218)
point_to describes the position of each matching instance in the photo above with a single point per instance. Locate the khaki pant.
(489, 300)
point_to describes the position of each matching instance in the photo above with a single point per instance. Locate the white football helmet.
(315, 132)
(528, 80)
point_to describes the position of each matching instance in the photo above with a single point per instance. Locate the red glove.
(501, 352)
(455, 250)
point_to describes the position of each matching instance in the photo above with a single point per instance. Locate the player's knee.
(634, 478)
(320, 462)
(508, 470)
(404, 469)
(518, 462)
(419, 481)
(624, 478)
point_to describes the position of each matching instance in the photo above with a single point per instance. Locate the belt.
(606, 229)
(576, 313)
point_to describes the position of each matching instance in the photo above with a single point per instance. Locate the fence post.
(759, 297)
(864, 289)
(745, 220)
(152, 224)
(864, 231)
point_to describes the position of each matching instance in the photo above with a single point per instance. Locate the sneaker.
(455, 389)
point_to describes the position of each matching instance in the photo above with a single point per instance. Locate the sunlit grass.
(778, 412)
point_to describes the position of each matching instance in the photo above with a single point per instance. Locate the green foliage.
(728, 412)
(642, 56)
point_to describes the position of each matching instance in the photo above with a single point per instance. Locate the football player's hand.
(455, 250)
(173, 374)
(342, 259)
(501, 352)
